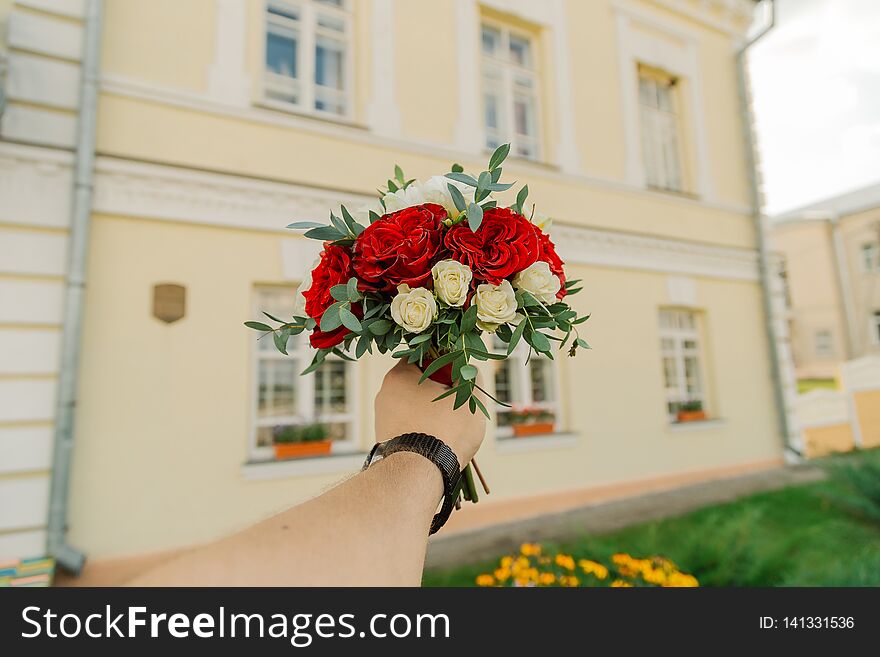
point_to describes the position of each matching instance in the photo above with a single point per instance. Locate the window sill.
(322, 117)
(676, 193)
(696, 425)
(558, 440)
(315, 465)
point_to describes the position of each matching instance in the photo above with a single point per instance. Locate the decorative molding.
(735, 15)
(228, 78)
(383, 116)
(25, 449)
(567, 155)
(469, 137)
(69, 8)
(32, 252)
(29, 543)
(589, 246)
(24, 502)
(38, 126)
(45, 35)
(27, 400)
(42, 81)
(29, 352)
(35, 186)
(135, 189)
(31, 302)
(138, 90)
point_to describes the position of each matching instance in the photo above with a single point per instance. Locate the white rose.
(414, 310)
(496, 305)
(542, 221)
(404, 198)
(299, 301)
(452, 280)
(542, 283)
(436, 190)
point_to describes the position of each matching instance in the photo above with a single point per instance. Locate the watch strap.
(438, 453)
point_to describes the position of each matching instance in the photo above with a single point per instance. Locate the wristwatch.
(438, 453)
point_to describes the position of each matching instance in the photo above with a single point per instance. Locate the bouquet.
(424, 273)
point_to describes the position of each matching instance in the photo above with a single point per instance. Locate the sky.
(816, 88)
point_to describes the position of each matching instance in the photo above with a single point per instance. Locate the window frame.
(823, 343)
(520, 355)
(659, 177)
(679, 335)
(308, 32)
(870, 257)
(874, 323)
(507, 69)
(305, 390)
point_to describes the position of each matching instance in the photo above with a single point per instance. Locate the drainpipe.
(758, 219)
(843, 286)
(65, 555)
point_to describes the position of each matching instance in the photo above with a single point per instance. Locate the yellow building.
(220, 121)
(831, 254)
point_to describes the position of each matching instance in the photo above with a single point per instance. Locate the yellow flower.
(502, 574)
(506, 561)
(565, 561)
(530, 549)
(593, 568)
(485, 580)
(619, 583)
(546, 579)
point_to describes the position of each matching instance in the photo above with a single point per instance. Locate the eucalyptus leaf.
(468, 372)
(474, 216)
(380, 327)
(539, 341)
(352, 289)
(499, 156)
(303, 225)
(330, 320)
(280, 339)
(325, 233)
(515, 336)
(258, 326)
(374, 216)
(457, 197)
(348, 320)
(462, 178)
(469, 319)
(521, 198)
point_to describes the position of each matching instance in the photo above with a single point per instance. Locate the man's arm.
(371, 530)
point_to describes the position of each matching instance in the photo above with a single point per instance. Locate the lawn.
(798, 536)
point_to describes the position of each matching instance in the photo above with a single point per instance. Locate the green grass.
(805, 385)
(796, 536)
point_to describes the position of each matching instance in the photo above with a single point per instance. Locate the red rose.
(549, 255)
(400, 248)
(504, 244)
(333, 269)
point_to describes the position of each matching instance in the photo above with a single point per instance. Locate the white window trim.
(306, 49)
(635, 48)
(872, 248)
(524, 388)
(507, 70)
(655, 124)
(874, 324)
(823, 343)
(679, 336)
(305, 395)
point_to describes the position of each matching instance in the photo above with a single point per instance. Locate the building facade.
(831, 256)
(221, 121)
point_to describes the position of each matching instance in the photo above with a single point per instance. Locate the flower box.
(691, 416)
(534, 429)
(302, 449)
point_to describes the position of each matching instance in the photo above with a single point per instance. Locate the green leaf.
(391, 186)
(499, 187)
(521, 198)
(330, 320)
(352, 288)
(342, 354)
(348, 319)
(272, 317)
(325, 233)
(339, 224)
(539, 341)
(469, 319)
(439, 363)
(419, 339)
(380, 327)
(474, 216)
(464, 392)
(480, 406)
(499, 156)
(483, 186)
(258, 326)
(398, 174)
(339, 292)
(474, 342)
(496, 174)
(468, 372)
(280, 339)
(392, 339)
(463, 178)
(374, 216)
(457, 168)
(515, 337)
(350, 222)
(451, 391)
(583, 343)
(485, 355)
(303, 225)
(363, 346)
(457, 197)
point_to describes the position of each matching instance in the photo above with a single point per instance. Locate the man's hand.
(403, 405)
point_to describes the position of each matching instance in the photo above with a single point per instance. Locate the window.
(283, 398)
(871, 256)
(660, 130)
(510, 91)
(875, 327)
(530, 388)
(681, 354)
(823, 343)
(307, 55)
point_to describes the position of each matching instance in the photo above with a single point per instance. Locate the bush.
(859, 487)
